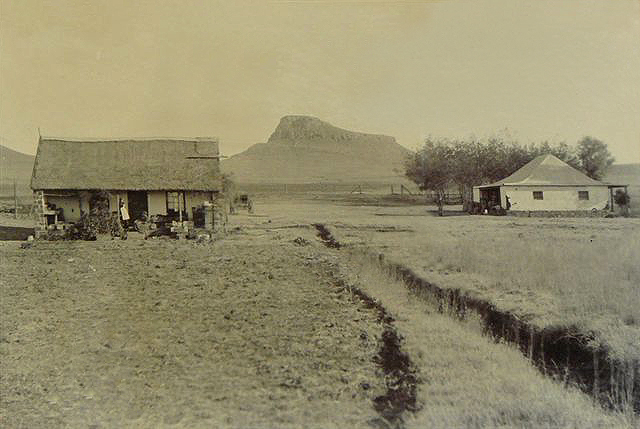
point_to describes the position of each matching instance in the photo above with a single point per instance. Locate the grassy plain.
(467, 381)
(548, 271)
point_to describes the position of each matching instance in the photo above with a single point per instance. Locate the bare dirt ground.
(247, 332)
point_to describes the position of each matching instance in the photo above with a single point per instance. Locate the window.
(173, 198)
(537, 195)
(583, 195)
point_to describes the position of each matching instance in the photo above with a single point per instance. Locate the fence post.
(15, 200)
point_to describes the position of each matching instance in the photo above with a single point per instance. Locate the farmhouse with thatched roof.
(158, 176)
(547, 183)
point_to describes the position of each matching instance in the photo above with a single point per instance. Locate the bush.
(92, 223)
(85, 229)
(622, 199)
(99, 211)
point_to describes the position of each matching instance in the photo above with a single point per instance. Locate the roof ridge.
(126, 139)
(531, 166)
(547, 170)
(189, 164)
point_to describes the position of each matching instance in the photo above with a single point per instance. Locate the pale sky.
(545, 70)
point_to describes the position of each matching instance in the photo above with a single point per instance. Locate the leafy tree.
(594, 157)
(469, 168)
(229, 192)
(432, 168)
(622, 199)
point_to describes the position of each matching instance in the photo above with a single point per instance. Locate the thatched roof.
(547, 170)
(141, 164)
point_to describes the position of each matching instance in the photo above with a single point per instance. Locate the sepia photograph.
(374, 214)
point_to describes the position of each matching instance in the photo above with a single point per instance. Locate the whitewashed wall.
(157, 202)
(70, 206)
(555, 197)
(476, 194)
(85, 197)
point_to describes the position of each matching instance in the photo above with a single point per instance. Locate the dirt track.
(247, 332)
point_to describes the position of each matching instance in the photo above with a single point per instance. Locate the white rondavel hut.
(547, 184)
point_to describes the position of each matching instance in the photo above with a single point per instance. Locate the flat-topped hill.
(304, 149)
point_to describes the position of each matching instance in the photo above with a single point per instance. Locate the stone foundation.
(559, 213)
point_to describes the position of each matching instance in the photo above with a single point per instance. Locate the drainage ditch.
(400, 376)
(563, 353)
(326, 236)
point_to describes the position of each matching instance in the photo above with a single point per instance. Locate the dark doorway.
(490, 197)
(137, 204)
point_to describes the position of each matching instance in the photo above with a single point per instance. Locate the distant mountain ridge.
(15, 165)
(623, 174)
(305, 149)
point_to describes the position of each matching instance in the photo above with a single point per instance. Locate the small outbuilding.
(158, 176)
(547, 183)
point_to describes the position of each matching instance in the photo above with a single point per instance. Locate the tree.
(432, 168)
(229, 191)
(480, 162)
(468, 169)
(622, 199)
(594, 157)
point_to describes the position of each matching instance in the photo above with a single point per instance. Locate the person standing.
(124, 220)
(124, 213)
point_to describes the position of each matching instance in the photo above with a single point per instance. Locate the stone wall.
(558, 213)
(38, 213)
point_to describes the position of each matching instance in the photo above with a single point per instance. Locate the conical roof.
(547, 170)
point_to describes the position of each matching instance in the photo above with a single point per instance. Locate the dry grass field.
(549, 271)
(468, 381)
(254, 330)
